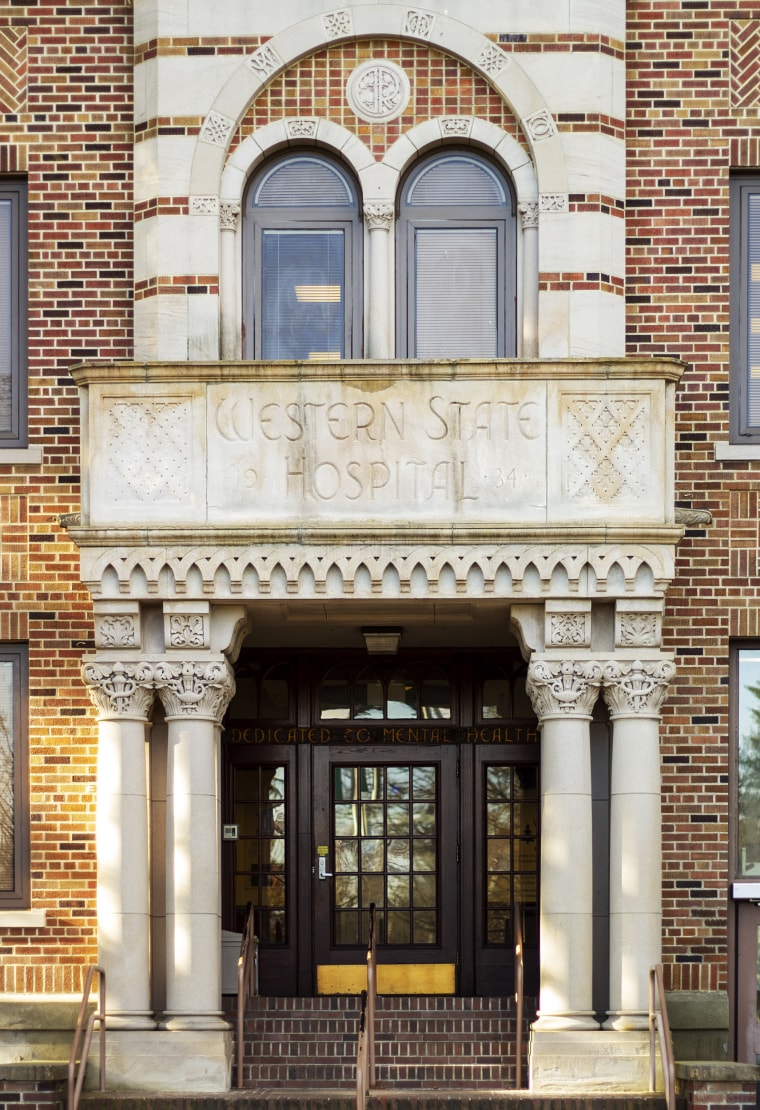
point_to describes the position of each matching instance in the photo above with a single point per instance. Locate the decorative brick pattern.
(316, 85)
(745, 62)
(12, 69)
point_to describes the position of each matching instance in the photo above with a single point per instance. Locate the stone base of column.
(200, 1022)
(568, 1019)
(574, 1061)
(182, 1061)
(129, 1019)
(627, 1019)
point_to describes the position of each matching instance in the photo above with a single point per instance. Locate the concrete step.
(264, 1099)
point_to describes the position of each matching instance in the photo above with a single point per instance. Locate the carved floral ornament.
(570, 687)
(200, 689)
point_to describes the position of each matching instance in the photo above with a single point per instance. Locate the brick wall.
(690, 105)
(66, 103)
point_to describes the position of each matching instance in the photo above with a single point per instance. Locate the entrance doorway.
(410, 782)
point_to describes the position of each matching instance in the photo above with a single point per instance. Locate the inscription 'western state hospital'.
(477, 447)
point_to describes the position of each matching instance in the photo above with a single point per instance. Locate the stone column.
(563, 694)
(195, 694)
(529, 223)
(379, 220)
(230, 309)
(634, 693)
(123, 693)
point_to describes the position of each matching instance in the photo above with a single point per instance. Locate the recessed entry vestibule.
(409, 780)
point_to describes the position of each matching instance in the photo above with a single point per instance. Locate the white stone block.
(595, 164)
(162, 166)
(585, 242)
(578, 82)
(203, 326)
(596, 324)
(163, 1060)
(553, 324)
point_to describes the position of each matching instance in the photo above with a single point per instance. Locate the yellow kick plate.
(391, 978)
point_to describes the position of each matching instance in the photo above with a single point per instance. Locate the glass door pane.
(385, 826)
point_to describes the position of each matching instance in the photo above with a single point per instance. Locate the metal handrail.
(365, 1048)
(519, 993)
(658, 1022)
(362, 1062)
(248, 982)
(83, 1035)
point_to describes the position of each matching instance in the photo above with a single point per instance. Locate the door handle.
(322, 871)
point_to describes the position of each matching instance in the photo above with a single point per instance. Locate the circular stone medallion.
(378, 90)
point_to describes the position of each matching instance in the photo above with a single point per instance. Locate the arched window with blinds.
(456, 284)
(302, 261)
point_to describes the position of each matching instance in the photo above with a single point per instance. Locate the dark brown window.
(13, 237)
(14, 785)
(456, 273)
(302, 261)
(745, 309)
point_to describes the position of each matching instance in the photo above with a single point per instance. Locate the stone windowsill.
(31, 456)
(22, 919)
(737, 452)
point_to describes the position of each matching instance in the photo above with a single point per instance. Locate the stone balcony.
(379, 449)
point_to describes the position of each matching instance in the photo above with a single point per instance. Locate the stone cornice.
(607, 369)
(379, 565)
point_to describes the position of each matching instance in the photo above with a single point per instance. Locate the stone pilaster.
(379, 220)
(563, 693)
(634, 693)
(195, 693)
(123, 693)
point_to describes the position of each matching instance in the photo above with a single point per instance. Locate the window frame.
(741, 187)
(19, 896)
(257, 221)
(411, 218)
(14, 190)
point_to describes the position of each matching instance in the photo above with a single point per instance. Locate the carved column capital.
(229, 215)
(529, 214)
(565, 688)
(636, 689)
(378, 216)
(199, 689)
(120, 689)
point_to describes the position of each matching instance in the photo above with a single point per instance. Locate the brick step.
(430, 1042)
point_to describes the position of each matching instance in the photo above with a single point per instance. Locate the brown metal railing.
(248, 983)
(83, 1035)
(519, 994)
(365, 1049)
(658, 1023)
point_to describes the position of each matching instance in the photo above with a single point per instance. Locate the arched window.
(302, 264)
(457, 260)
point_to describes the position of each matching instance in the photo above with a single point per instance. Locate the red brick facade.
(66, 97)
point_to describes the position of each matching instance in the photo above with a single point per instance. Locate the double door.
(442, 837)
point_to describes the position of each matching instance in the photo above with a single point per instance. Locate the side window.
(747, 763)
(456, 260)
(302, 259)
(14, 788)
(13, 282)
(745, 309)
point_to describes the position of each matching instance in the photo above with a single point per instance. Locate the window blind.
(455, 293)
